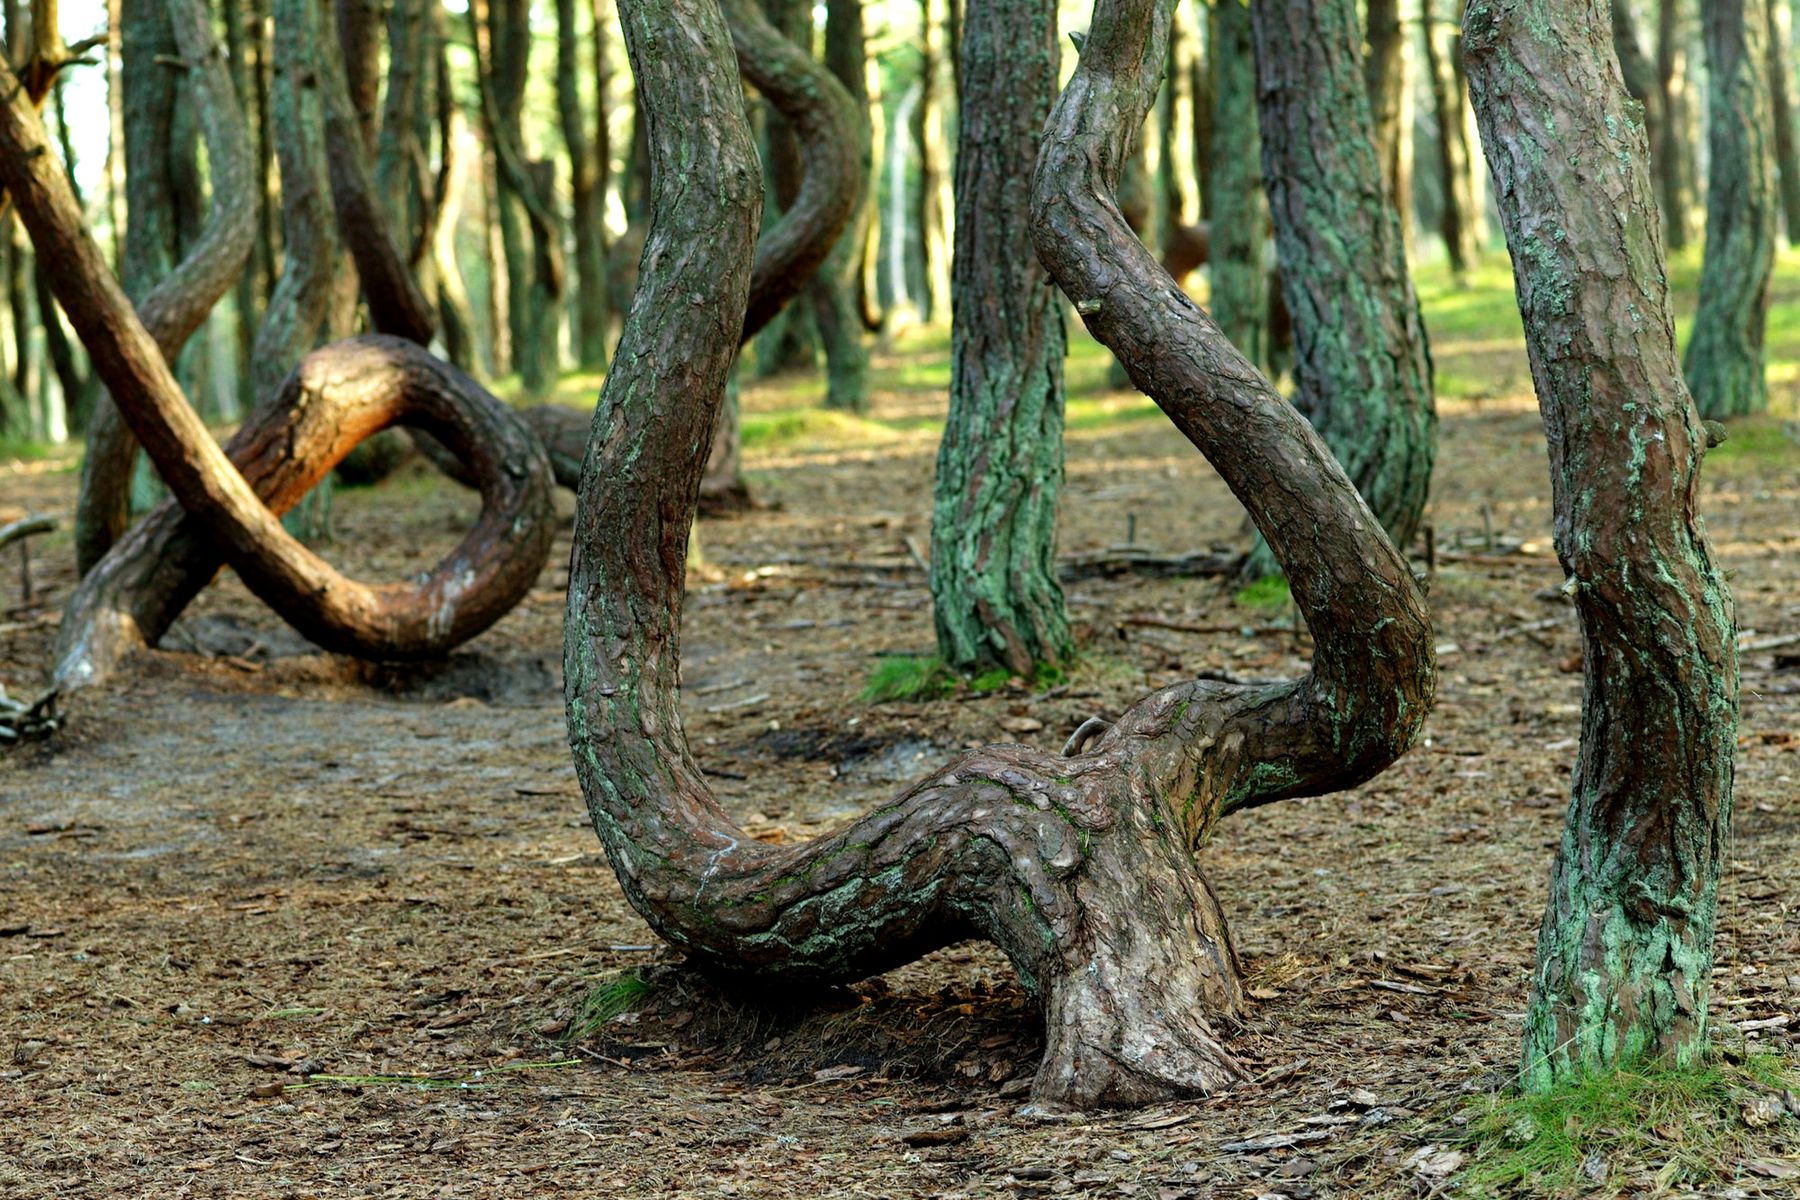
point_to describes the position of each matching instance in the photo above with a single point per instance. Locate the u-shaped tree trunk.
(1081, 869)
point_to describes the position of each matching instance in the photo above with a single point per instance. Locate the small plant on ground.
(904, 677)
(618, 995)
(1271, 591)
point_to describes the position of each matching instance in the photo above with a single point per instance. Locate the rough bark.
(995, 596)
(1239, 211)
(1781, 91)
(296, 309)
(1672, 156)
(1387, 78)
(1080, 868)
(587, 201)
(1361, 362)
(172, 303)
(1724, 360)
(1638, 70)
(381, 380)
(834, 290)
(1625, 951)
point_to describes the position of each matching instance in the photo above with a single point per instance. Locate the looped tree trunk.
(376, 380)
(179, 304)
(1080, 869)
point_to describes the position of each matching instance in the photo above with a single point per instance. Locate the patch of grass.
(26, 450)
(900, 677)
(1689, 1124)
(1757, 442)
(620, 994)
(1269, 592)
(796, 427)
(990, 680)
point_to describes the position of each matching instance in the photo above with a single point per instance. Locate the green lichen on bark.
(1361, 361)
(1724, 363)
(1625, 948)
(993, 532)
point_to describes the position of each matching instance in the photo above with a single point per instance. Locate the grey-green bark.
(1360, 355)
(1787, 159)
(995, 597)
(1624, 959)
(833, 290)
(1724, 360)
(1236, 205)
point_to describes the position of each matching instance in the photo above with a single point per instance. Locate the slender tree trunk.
(587, 200)
(1203, 92)
(359, 35)
(934, 205)
(1673, 156)
(1239, 212)
(1724, 361)
(1361, 362)
(833, 290)
(1387, 76)
(1455, 224)
(1624, 959)
(995, 596)
(1781, 90)
(456, 317)
(790, 341)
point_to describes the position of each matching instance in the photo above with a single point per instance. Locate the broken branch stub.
(1080, 869)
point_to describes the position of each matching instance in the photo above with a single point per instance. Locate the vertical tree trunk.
(1673, 156)
(1781, 90)
(1239, 213)
(1387, 76)
(1202, 91)
(1361, 362)
(359, 35)
(1454, 174)
(253, 285)
(934, 206)
(1638, 71)
(995, 596)
(1625, 952)
(587, 201)
(833, 290)
(790, 342)
(456, 317)
(1724, 361)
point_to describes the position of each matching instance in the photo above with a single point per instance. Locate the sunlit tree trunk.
(995, 596)
(933, 203)
(1624, 960)
(1724, 360)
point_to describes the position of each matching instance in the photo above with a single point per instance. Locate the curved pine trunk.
(1624, 958)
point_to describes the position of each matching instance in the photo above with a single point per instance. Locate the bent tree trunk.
(1625, 952)
(1081, 869)
(995, 596)
(1724, 361)
(1360, 357)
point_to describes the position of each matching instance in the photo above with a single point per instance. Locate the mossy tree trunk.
(1237, 208)
(1361, 361)
(995, 596)
(1724, 361)
(1080, 869)
(1624, 958)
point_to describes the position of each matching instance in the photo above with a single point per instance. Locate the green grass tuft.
(1271, 591)
(898, 677)
(991, 680)
(620, 994)
(1687, 1127)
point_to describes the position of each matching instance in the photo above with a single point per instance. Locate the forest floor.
(276, 924)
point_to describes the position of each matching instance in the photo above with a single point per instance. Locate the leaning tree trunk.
(1724, 361)
(1625, 952)
(1781, 91)
(995, 596)
(1080, 868)
(833, 290)
(172, 302)
(1236, 207)
(1361, 361)
(587, 203)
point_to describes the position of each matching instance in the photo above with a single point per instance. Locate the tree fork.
(1081, 869)
(1625, 951)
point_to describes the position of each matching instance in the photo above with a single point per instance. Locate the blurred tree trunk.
(1456, 224)
(1387, 74)
(1239, 213)
(587, 199)
(790, 340)
(995, 595)
(1724, 360)
(1202, 96)
(1782, 91)
(934, 204)
(1361, 362)
(1625, 951)
(833, 291)
(1673, 157)
(359, 35)
(243, 37)
(456, 317)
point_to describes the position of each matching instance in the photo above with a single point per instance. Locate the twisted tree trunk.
(1361, 361)
(1081, 869)
(1724, 360)
(172, 303)
(1625, 951)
